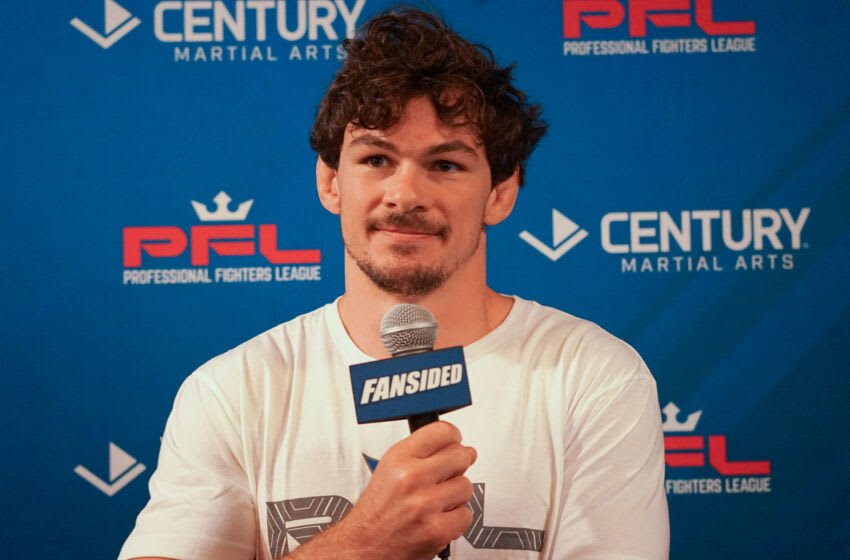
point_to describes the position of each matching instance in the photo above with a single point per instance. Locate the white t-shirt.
(262, 449)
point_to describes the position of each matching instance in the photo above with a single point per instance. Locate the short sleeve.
(200, 505)
(614, 506)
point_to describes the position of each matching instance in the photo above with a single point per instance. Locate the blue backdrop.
(691, 197)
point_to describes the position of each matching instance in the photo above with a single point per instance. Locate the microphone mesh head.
(407, 328)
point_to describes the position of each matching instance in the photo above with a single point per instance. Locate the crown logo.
(221, 213)
(672, 424)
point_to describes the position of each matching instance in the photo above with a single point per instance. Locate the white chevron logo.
(123, 469)
(117, 23)
(566, 234)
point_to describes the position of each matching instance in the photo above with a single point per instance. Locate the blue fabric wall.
(116, 117)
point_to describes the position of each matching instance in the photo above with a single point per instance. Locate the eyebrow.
(446, 147)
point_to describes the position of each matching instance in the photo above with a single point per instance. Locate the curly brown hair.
(407, 53)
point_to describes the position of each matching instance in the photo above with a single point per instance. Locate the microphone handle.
(418, 420)
(415, 422)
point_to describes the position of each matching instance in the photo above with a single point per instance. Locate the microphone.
(418, 382)
(408, 329)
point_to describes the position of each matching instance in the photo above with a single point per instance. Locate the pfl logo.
(699, 451)
(224, 240)
(635, 14)
(117, 22)
(214, 238)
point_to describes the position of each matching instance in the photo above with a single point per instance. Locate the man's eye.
(447, 166)
(376, 161)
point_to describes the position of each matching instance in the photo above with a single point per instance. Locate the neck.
(466, 309)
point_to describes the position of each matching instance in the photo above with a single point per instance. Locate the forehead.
(419, 125)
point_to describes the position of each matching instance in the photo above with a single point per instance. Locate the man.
(422, 144)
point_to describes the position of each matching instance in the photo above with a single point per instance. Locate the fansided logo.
(411, 382)
(157, 254)
(643, 27)
(399, 387)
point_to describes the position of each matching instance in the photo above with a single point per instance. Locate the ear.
(326, 186)
(500, 201)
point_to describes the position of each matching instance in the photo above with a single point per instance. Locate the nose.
(406, 190)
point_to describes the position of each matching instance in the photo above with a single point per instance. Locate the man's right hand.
(413, 506)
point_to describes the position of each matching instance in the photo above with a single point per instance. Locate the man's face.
(413, 200)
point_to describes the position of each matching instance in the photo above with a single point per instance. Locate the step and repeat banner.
(691, 197)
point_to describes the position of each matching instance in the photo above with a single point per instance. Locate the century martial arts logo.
(294, 522)
(695, 461)
(704, 240)
(643, 27)
(566, 234)
(240, 30)
(157, 254)
(123, 469)
(117, 22)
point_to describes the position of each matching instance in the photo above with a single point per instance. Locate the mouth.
(406, 227)
(405, 233)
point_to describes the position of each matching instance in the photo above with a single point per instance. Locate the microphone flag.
(401, 387)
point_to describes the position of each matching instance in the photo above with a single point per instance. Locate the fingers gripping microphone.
(409, 329)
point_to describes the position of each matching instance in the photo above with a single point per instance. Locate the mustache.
(412, 221)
